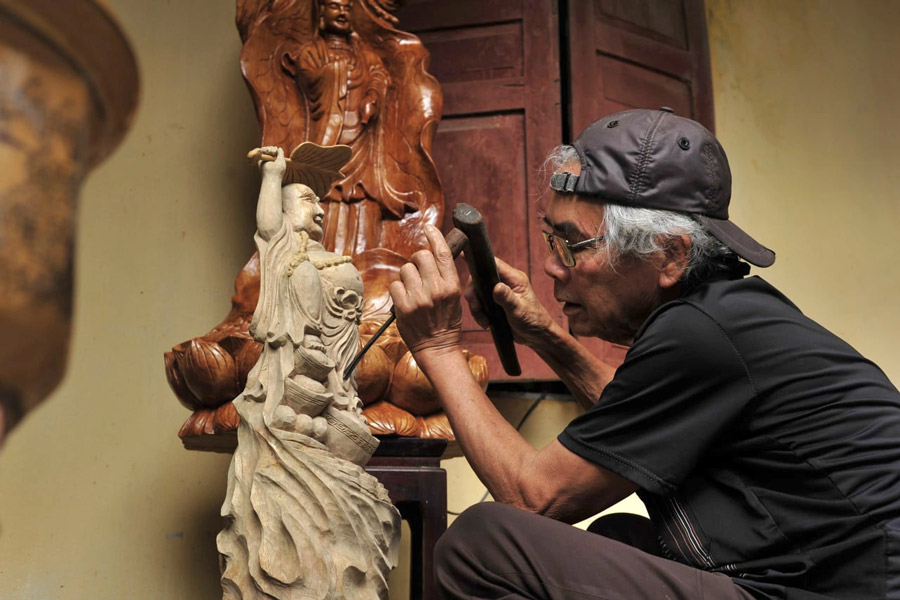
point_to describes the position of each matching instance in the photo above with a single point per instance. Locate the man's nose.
(554, 268)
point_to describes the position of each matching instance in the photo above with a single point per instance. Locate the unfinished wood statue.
(304, 520)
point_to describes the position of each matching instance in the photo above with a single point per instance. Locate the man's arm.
(583, 373)
(552, 481)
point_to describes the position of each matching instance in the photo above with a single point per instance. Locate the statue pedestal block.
(410, 469)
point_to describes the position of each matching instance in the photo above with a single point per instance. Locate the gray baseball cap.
(655, 159)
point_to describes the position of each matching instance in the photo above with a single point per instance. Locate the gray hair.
(641, 232)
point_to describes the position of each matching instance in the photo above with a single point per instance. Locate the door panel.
(498, 65)
(482, 158)
(638, 54)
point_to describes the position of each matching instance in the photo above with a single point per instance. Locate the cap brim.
(738, 240)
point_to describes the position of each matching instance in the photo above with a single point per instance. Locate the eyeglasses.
(564, 250)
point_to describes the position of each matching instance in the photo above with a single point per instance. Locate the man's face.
(301, 207)
(336, 16)
(598, 301)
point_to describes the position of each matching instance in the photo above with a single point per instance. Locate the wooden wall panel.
(486, 52)
(659, 19)
(418, 16)
(630, 86)
(482, 161)
(498, 64)
(638, 54)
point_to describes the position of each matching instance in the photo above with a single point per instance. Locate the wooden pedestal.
(410, 469)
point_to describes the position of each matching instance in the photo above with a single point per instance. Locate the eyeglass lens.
(558, 246)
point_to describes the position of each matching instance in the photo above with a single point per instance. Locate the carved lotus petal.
(386, 419)
(390, 341)
(377, 305)
(436, 426)
(210, 373)
(394, 347)
(245, 359)
(207, 421)
(479, 367)
(373, 375)
(411, 390)
(226, 418)
(200, 422)
(368, 328)
(176, 382)
(229, 338)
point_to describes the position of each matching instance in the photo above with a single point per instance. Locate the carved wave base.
(302, 524)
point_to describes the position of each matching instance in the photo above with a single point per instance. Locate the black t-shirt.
(765, 447)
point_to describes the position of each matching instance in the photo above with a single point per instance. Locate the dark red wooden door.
(518, 76)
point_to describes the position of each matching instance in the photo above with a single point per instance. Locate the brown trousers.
(494, 551)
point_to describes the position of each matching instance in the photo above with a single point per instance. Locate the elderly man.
(766, 450)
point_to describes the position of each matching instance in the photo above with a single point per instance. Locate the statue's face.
(336, 16)
(302, 209)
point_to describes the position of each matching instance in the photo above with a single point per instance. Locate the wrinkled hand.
(275, 167)
(527, 317)
(427, 299)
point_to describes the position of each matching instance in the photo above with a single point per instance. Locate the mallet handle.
(483, 268)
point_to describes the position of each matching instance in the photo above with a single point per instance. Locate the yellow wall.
(97, 497)
(806, 96)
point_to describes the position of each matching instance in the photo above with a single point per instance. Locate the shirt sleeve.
(683, 385)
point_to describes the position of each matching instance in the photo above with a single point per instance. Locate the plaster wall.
(97, 497)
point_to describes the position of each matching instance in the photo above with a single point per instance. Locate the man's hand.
(527, 317)
(369, 108)
(427, 299)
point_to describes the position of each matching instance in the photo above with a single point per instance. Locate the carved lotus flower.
(176, 382)
(209, 372)
(373, 375)
(245, 358)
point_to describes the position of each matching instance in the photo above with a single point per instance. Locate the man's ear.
(675, 260)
